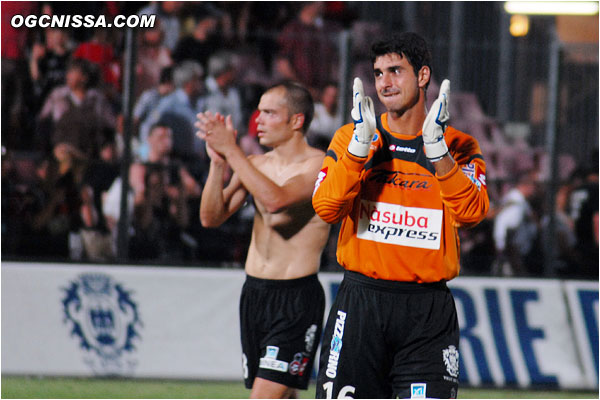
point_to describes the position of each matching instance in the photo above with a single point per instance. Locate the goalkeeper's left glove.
(435, 125)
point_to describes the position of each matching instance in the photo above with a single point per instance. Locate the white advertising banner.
(583, 307)
(522, 332)
(131, 321)
(166, 322)
(515, 332)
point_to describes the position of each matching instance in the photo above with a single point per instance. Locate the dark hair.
(86, 68)
(299, 101)
(407, 44)
(330, 83)
(159, 124)
(166, 75)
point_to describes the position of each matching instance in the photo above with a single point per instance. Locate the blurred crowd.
(63, 137)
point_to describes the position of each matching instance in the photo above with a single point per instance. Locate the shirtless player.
(282, 302)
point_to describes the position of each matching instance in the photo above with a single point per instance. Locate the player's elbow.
(274, 207)
(276, 202)
(328, 213)
(209, 220)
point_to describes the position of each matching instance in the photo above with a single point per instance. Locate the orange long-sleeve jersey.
(399, 219)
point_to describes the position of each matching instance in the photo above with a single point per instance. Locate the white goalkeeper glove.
(435, 125)
(363, 115)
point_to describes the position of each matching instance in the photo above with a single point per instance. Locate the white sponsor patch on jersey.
(396, 224)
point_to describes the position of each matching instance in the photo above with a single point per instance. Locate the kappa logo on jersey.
(396, 224)
(450, 356)
(418, 390)
(336, 345)
(396, 178)
(105, 318)
(473, 172)
(320, 178)
(270, 361)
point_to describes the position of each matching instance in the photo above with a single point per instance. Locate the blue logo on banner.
(105, 319)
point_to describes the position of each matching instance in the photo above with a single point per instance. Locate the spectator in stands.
(202, 43)
(516, 230)
(178, 110)
(75, 113)
(11, 223)
(17, 124)
(99, 175)
(167, 12)
(152, 58)
(256, 24)
(583, 206)
(147, 103)
(99, 51)
(327, 117)
(54, 218)
(48, 62)
(308, 44)
(222, 95)
(160, 191)
(564, 262)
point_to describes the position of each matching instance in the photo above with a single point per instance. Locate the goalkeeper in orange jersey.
(401, 183)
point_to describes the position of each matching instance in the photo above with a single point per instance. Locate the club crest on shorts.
(309, 338)
(103, 315)
(450, 356)
(298, 365)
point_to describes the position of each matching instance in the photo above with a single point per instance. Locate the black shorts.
(387, 339)
(281, 323)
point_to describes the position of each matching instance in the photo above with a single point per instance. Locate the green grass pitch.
(14, 387)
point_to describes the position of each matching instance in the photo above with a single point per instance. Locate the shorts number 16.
(345, 393)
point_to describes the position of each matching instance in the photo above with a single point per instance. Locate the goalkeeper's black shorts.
(387, 339)
(281, 324)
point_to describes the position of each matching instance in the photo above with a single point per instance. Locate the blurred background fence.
(525, 86)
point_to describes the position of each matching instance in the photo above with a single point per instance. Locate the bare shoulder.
(311, 155)
(264, 161)
(313, 152)
(258, 159)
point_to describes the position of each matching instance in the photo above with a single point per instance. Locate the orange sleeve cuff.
(454, 181)
(353, 163)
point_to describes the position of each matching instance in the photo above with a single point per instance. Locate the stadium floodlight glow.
(519, 25)
(552, 7)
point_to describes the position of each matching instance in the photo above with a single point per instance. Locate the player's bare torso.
(287, 244)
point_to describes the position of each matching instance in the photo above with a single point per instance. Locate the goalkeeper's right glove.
(363, 115)
(435, 125)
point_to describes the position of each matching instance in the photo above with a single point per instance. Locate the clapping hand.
(218, 133)
(363, 115)
(435, 125)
